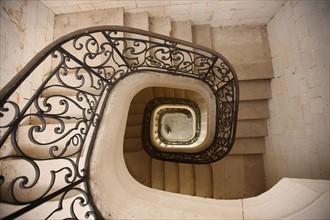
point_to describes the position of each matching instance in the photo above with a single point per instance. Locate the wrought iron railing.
(46, 141)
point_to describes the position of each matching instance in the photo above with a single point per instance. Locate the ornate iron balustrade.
(46, 142)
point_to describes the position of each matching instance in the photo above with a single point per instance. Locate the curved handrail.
(27, 69)
(88, 63)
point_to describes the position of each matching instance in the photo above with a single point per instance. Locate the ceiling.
(215, 13)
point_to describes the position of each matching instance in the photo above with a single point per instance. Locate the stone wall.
(298, 141)
(26, 28)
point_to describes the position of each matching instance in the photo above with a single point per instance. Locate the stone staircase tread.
(191, 94)
(202, 35)
(219, 179)
(171, 173)
(251, 128)
(187, 179)
(137, 20)
(132, 144)
(133, 131)
(203, 180)
(158, 92)
(253, 71)
(169, 92)
(229, 177)
(134, 119)
(113, 16)
(157, 174)
(253, 109)
(255, 90)
(179, 93)
(182, 30)
(254, 170)
(249, 146)
(143, 97)
(136, 109)
(160, 25)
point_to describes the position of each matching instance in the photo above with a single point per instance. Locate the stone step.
(253, 71)
(187, 179)
(138, 164)
(137, 20)
(251, 128)
(203, 180)
(136, 109)
(132, 144)
(169, 92)
(237, 175)
(254, 173)
(113, 16)
(143, 97)
(160, 25)
(218, 179)
(134, 119)
(194, 96)
(158, 91)
(182, 30)
(179, 93)
(202, 35)
(133, 131)
(252, 145)
(228, 177)
(157, 174)
(254, 90)
(254, 109)
(171, 173)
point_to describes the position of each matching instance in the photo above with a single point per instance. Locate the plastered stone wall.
(298, 141)
(26, 28)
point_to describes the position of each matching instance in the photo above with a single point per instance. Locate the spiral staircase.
(77, 148)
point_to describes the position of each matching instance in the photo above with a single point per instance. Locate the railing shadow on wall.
(46, 140)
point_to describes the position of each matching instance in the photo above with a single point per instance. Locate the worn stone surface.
(216, 13)
(26, 28)
(298, 142)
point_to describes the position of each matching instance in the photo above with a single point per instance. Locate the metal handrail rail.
(75, 55)
(35, 61)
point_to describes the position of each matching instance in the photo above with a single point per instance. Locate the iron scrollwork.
(50, 135)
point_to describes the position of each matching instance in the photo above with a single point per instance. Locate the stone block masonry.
(298, 141)
(26, 28)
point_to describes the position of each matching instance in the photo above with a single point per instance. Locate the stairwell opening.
(201, 180)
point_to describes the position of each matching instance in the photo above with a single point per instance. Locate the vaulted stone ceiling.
(215, 13)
